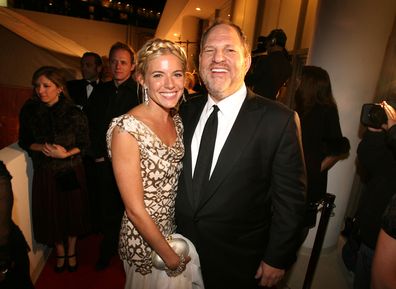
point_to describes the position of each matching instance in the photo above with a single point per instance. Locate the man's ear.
(248, 62)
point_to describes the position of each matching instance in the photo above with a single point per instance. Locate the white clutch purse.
(179, 245)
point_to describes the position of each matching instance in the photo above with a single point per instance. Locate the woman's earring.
(145, 96)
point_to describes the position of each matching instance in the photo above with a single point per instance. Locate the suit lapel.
(240, 135)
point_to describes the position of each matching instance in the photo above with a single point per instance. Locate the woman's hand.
(55, 151)
(173, 265)
(175, 270)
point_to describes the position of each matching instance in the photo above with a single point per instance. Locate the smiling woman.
(146, 148)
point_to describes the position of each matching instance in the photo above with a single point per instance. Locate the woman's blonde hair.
(157, 47)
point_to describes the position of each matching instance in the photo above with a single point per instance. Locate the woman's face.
(164, 79)
(47, 91)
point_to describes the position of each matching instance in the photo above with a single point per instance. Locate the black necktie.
(205, 155)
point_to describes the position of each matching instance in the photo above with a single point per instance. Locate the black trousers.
(110, 208)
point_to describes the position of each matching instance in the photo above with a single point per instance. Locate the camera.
(373, 115)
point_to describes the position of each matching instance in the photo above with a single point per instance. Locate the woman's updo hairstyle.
(158, 47)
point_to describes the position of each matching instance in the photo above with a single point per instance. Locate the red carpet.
(86, 277)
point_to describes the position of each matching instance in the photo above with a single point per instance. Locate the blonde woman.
(146, 148)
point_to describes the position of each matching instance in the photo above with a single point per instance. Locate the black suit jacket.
(78, 91)
(106, 102)
(253, 207)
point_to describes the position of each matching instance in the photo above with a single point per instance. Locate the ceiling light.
(198, 9)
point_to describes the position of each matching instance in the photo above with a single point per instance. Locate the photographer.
(377, 165)
(384, 261)
(270, 72)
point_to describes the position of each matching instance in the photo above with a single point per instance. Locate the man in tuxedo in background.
(80, 90)
(244, 214)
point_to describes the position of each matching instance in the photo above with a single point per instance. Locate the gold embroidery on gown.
(160, 166)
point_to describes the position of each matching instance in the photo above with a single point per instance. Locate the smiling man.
(241, 201)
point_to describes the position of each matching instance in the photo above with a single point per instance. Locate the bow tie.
(93, 83)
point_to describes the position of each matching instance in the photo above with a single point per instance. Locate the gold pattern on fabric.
(160, 167)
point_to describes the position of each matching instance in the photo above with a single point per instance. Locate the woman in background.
(54, 132)
(322, 138)
(146, 148)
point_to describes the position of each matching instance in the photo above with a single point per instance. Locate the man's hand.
(269, 276)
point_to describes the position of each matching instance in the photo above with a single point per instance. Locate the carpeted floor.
(86, 277)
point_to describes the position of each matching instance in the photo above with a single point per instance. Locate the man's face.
(121, 65)
(223, 62)
(89, 69)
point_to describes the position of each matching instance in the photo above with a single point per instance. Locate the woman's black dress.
(59, 194)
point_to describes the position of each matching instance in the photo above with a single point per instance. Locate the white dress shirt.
(90, 87)
(228, 112)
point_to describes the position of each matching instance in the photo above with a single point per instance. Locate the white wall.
(244, 15)
(20, 167)
(349, 42)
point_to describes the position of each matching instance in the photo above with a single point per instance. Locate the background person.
(270, 72)
(81, 89)
(109, 100)
(245, 215)
(14, 259)
(377, 164)
(322, 138)
(146, 148)
(54, 132)
(384, 260)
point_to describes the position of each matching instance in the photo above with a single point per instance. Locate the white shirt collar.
(230, 104)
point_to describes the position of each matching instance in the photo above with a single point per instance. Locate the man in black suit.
(246, 219)
(270, 72)
(109, 100)
(81, 89)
